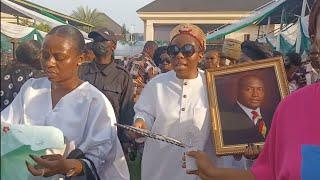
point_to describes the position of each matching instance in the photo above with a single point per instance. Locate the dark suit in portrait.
(238, 127)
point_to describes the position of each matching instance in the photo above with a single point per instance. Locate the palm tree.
(90, 16)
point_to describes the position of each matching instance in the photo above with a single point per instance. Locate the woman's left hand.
(54, 164)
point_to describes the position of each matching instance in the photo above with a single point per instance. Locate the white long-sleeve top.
(177, 108)
(85, 116)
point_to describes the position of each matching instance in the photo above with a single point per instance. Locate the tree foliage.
(90, 16)
(43, 27)
(97, 19)
(30, 23)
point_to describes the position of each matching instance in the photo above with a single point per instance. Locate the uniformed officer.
(112, 80)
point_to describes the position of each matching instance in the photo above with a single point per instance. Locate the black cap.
(105, 33)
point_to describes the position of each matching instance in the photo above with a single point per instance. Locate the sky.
(121, 11)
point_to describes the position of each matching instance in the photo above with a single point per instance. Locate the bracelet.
(42, 172)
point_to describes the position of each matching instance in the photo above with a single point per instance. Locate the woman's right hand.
(139, 123)
(252, 151)
(54, 164)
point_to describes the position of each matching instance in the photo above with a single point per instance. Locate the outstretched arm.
(207, 171)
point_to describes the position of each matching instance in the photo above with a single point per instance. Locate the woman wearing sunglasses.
(162, 59)
(165, 63)
(175, 104)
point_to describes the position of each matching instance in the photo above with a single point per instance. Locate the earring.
(79, 63)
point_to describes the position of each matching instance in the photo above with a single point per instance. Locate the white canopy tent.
(18, 31)
(288, 40)
(293, 37)
(37, 16)
(32, 14)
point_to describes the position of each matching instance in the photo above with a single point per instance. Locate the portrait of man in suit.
(247, 121)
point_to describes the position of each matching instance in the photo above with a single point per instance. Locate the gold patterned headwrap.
(191, 30)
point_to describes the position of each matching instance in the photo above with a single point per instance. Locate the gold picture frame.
(224, 80)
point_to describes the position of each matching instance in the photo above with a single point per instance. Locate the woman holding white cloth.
(78, 109)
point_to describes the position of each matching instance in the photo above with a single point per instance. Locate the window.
(246, 37)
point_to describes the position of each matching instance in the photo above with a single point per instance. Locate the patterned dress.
(142, 69)
(13, 76)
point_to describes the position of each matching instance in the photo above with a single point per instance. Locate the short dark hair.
(28, 52)
(150, 45)
(243, 79)
(157, 54)
(256, 50)
(277, 54)
(70, 32)
(292, 59)
(213, 51)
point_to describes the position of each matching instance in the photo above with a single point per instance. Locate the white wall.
(162, 32)
(252, 30)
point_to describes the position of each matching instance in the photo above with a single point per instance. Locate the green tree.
(43, 27)
(25, 22)
(30, 23)
(90, 16)
(124, 31)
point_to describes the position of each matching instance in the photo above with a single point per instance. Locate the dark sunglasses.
(165, 60)
(187, 50)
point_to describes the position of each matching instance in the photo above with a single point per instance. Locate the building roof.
(111, 24)
(202, 5)
(41, 10)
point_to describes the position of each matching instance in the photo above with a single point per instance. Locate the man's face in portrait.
(251, 92)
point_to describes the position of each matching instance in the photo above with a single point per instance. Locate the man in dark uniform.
(247, 121)
(112, 80)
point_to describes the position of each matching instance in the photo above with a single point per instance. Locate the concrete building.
(160, 16)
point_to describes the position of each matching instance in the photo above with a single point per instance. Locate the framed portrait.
(243, 99)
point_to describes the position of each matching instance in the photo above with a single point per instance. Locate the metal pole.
(281, 27)
(304, 6)
(268, 26)
(303, 13)
(282, 14)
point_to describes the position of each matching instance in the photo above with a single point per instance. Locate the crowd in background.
(152, 61)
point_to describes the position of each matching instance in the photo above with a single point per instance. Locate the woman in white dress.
(175, 104)
(78, 109)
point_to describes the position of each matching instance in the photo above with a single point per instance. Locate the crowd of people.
(82, 90)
